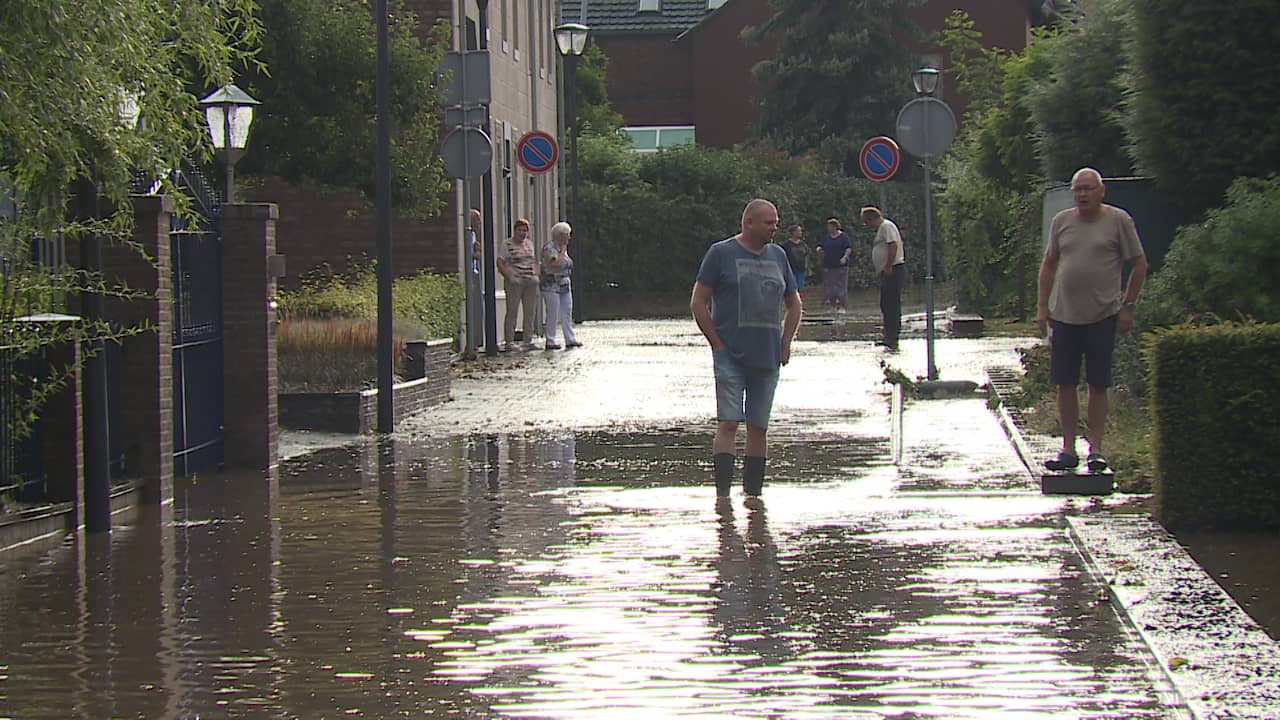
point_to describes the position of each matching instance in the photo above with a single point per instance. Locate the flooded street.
(559, 553)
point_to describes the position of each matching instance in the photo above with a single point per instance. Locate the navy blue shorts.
(1069, 343)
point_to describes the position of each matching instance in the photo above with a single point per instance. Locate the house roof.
(624, 16)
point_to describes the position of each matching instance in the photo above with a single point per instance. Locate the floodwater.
(585, 574)
(548, 546)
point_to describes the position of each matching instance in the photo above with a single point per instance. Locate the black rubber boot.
(724, 473)
(753, 475)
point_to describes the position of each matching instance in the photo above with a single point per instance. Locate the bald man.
(746, 304)
(1082, 308)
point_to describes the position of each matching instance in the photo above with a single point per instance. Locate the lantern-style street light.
(571, 40)
(229, 111)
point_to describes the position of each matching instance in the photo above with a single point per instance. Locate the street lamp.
(571, 40)
(925, 80)
(229, 111)
(926, 126)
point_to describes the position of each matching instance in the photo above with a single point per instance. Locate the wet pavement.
(547, 545)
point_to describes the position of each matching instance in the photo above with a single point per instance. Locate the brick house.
(336, 227)
(678, 70)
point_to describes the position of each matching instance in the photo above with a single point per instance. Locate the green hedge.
(1216, 398)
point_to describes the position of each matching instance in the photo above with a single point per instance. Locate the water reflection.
(565, 575)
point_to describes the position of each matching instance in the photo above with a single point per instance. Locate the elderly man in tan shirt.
(1083, 309)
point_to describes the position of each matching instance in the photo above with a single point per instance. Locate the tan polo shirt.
(1091, 256)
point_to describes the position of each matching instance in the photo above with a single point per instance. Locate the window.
(713, 4)
(650, 6)
(652, 138)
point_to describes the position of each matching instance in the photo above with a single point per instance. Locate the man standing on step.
(746, 304)
(1083, 262)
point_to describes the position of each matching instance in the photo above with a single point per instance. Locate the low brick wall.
(357, 412)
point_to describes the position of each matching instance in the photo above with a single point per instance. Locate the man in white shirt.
(890, 262)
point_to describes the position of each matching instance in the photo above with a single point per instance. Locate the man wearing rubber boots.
(746, 304)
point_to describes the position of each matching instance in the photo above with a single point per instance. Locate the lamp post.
(571, 40)
(926, 126)
(925, 81)
(229, 111)
(94, 409)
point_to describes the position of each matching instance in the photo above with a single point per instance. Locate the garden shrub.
(1215, 395)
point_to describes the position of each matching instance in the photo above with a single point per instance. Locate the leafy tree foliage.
(1226, 266)
(840, 76)
(1206, 94)
(67, 70)
(989, 208)
(1078, 110)
(318, 124)
(594, 112)
(647, 219)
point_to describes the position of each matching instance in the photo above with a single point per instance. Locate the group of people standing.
(835, 250)
(746, 302)
(529, 274)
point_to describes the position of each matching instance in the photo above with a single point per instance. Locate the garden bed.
(429, 382)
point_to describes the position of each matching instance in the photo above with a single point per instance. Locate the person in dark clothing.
(797, 254)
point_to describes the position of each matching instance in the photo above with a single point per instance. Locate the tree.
(840, 76)
(67, 68)
(1079, 110)
(989, 210)
(1206, 95)
(594, 111)
(317, 124)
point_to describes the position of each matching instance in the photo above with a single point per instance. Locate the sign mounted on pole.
(537, 151)
(466, 153)
(879, 158)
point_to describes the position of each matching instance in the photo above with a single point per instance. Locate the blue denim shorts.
(1094, 342)
(743, 393)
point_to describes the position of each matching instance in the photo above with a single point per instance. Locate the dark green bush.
(1215, 395)
(647, 220)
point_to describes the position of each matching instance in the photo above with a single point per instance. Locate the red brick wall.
(706, 78)
(650, 78)
(340, 228)
(724, 108)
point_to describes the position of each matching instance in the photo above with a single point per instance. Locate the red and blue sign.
(537, 151)
(879, 158)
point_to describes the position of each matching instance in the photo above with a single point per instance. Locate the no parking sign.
(537, 151)
(879, 158)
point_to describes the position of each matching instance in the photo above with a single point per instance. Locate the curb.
(1215, 658)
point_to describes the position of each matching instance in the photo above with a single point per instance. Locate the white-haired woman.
(555, 285)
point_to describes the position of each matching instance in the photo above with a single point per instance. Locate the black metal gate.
(196, 255)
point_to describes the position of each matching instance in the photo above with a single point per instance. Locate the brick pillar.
(249, 335)
(146, 372)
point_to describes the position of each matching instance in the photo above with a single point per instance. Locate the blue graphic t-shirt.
(747, 299)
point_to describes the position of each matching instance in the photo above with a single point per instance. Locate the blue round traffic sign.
(537, 151)
(879, 158)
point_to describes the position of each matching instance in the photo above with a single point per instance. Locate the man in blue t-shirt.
(746, 304)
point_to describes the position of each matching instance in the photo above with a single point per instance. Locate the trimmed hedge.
(1216, 398)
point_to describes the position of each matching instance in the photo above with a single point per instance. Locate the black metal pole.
(386, 407)
(572, 71)
(97, 453)
(486, 199)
